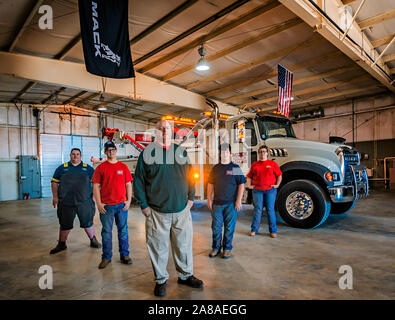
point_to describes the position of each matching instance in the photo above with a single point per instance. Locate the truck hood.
(301, 144)
(304, 150)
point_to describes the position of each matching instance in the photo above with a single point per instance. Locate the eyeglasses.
(111, 150)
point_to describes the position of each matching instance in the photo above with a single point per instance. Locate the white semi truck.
(318, 178)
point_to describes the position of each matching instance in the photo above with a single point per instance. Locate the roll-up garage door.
(55, 150)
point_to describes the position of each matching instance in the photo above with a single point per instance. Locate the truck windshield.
(275, 128)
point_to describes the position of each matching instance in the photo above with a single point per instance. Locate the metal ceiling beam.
(195, 28)
(74, 75)
(222, 53)
(370, 22)
(216, 32)
(61, 55)
(319, 88)
(28, 19)
(53, 95)
(356, 45)
(380, 42)
(389, 58)
(384, 51)
(71, 99)
(91, 96)
(295, 82)
(257, 62)
(182, 7)
(328, 96)
(26, 88)
(273, 73)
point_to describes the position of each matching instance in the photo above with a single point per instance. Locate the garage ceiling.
(245, 40)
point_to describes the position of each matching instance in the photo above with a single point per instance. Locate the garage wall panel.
(385, 119)
(4, 152)
(365, 127)
(9, 173)
(3, 115)
(13, 116)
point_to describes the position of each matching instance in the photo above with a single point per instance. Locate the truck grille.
(350, 158)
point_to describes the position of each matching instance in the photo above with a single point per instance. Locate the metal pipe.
(353, 19)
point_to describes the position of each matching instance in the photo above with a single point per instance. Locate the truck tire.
(342, 207)
(314, 204)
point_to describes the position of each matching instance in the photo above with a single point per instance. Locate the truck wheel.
(340, 208)
(303, 204)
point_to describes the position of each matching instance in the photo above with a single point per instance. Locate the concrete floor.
(299, 264)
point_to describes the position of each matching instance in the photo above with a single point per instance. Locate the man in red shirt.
(112, 190)
(264, 177)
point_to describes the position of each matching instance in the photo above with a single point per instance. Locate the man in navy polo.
(72, 194)
(224, 193)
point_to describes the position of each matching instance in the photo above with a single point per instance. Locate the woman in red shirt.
(264, 178)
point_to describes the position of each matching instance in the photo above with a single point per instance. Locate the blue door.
(29, 177)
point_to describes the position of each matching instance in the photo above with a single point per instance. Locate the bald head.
(164, 132)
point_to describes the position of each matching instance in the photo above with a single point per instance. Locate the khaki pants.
(160, 229)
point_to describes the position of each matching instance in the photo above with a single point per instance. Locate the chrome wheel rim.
(299, 205)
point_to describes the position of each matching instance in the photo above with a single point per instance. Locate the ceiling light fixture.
(101, 108)
(202, 64)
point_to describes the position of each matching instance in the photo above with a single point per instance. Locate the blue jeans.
(107, 220)
(261, 198)
(223, 215)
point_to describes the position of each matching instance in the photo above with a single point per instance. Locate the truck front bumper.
(358, 187)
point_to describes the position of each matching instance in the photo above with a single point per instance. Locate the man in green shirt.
(164, 189)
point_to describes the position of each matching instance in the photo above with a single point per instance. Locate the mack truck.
(318, 178)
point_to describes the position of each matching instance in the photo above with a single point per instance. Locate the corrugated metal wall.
(368, 126)
(58, 135)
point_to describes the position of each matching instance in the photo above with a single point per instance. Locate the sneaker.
(160, 289)
(191, 281)
(273, 235)
(60, 247)
(95, 243)
(252, 233)
(104, 263)
(213, 253)
(227, 254)
(126, 260)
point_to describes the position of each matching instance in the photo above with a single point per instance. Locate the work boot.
(126, 260)
(104, 263)
(160, 289)
(227, 254)
(60, 247)
(213, 253)
(191, 281)
(252, 233)
(273, 235)
(95, 243)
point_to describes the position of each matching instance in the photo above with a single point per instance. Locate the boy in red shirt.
(112, 190)
(264, 178)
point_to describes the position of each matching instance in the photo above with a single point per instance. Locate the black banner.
(105, 38)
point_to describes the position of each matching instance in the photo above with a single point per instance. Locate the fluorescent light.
(101, 108)
(202, 65)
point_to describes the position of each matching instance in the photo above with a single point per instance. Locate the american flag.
(284, 90)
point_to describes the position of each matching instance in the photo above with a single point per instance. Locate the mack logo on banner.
(105, 38)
